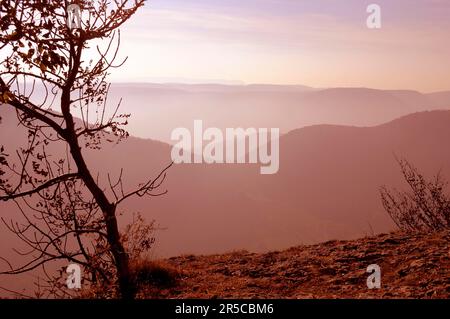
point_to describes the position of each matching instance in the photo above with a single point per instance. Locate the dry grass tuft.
(154, 273)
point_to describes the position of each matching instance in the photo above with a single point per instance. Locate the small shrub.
(425, 208)
(154, 273)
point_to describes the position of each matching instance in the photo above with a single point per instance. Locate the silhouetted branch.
(41, 187)
(70, 215)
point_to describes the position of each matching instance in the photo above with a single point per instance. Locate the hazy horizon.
(238, 83)
(288, 42)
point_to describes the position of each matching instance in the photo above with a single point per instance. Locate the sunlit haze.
(320, 43)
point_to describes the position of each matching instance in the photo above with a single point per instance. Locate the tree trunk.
(126, 283)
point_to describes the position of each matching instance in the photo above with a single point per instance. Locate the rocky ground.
(412, 266)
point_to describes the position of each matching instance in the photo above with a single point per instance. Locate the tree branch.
(41, 187)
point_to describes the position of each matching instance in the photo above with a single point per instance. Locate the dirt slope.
(412, 266)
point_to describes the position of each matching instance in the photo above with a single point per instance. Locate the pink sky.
(320, 43)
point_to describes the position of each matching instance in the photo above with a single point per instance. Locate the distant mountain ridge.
(159, 108)
(327, 185)
(326, 188)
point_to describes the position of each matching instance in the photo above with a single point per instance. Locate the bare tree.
(425, 208)
(67, 214)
